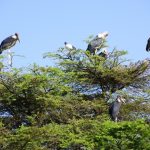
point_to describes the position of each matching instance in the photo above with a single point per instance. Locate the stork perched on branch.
(97, 42)
(7, 44)
(115, 108)
(70, 48)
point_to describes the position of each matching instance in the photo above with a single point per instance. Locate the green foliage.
(81, 134)
(88, 71)
(125, 135)
(65, 107)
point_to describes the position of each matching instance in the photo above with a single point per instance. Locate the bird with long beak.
(148, 45)
(9, 42)
(97, 42)
(115, 108)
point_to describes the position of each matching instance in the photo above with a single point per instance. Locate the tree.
(107, 75)
(66, 106)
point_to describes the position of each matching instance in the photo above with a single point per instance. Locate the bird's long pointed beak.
(19, 40)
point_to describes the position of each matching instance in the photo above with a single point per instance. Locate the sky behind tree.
(44, 26)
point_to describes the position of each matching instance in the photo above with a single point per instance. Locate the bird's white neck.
(14, 36)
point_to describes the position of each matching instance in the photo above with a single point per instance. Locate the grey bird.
(148, 45)
(115, 108)
(96, 43)
(9, 42)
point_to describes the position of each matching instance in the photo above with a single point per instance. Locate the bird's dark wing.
(148, 45)
(111, 111)
(102, 54)
(7, 43)
(114, 110)
(110, 108)
(94, 44)
(90, 49)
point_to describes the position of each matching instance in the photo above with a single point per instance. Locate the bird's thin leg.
(9, 58)
(116, 119)
(95, 51)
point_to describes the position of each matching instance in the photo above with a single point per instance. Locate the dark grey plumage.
(148, 45)
(104, 53)
(93, 45)
(9, 42)
(96, 43)
(115, 108)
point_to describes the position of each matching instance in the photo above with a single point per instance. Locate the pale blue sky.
(44, 25)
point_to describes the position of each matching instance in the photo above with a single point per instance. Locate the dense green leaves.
(66, 107)
(81, 134)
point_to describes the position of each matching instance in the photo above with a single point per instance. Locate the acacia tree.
(101, 74)
(99, 77)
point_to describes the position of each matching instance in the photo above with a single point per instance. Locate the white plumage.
(69, 46)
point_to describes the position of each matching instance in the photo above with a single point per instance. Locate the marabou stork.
(9, 42)
(96, 43)
(148, 45)
(115, 107)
